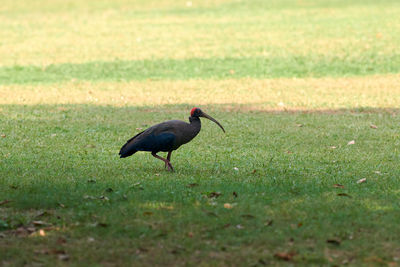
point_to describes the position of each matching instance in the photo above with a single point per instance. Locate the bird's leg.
(165, 160)
(168, 158)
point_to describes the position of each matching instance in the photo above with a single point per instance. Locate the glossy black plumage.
(166, 137)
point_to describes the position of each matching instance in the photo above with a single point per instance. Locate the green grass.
(292, 82)
(226, 68)
(68, 157)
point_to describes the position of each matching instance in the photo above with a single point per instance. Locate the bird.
(166, 137)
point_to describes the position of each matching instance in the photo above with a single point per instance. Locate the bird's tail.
(129, 148)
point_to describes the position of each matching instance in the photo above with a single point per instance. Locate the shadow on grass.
(52, 152)
(59, 164)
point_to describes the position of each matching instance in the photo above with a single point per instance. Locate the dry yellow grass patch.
(59, 6)
(281, 94)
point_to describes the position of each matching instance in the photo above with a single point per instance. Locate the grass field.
(307, 90)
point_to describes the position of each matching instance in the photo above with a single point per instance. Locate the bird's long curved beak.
(205, 115)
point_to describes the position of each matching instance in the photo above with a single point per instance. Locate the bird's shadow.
(179, 170)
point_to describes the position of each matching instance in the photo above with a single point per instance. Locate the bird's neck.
(195, 123)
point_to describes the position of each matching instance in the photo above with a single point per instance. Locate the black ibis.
(166, 137)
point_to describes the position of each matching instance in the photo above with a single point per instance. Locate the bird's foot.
(169, 166)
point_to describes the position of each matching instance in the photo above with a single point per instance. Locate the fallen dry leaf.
(363, 180)
(299, 125)
(42, 232)
(352, 142)
(57, 251)
(210, 213)
(24, 231)
(190, 234)
(192, 185)
(214, 194)
(262, 262)
(50, 251)
(31, 229)
(286, 256)
(5, 202)
(167, 207)
(141, 250)
(254, 171)
(147, 213)
(338, 186)
(63, 257)
(373, 126)
(39, 223)
(228, 206)
(269, 223)
(333, 147)
(247, 216)
(375, 259)
(343, 195)
(21, 231)
(51, 228)
(334, 241)
(42, 214)
(3, 135)
(42, 251)
(61, 241)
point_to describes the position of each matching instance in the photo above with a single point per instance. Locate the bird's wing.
(158, 137)
(156, 129)
(173, 126)
(155, 143)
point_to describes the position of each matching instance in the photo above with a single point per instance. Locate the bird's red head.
(193, 111)
(196, 113)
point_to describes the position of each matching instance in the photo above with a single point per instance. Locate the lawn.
(306, 174)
